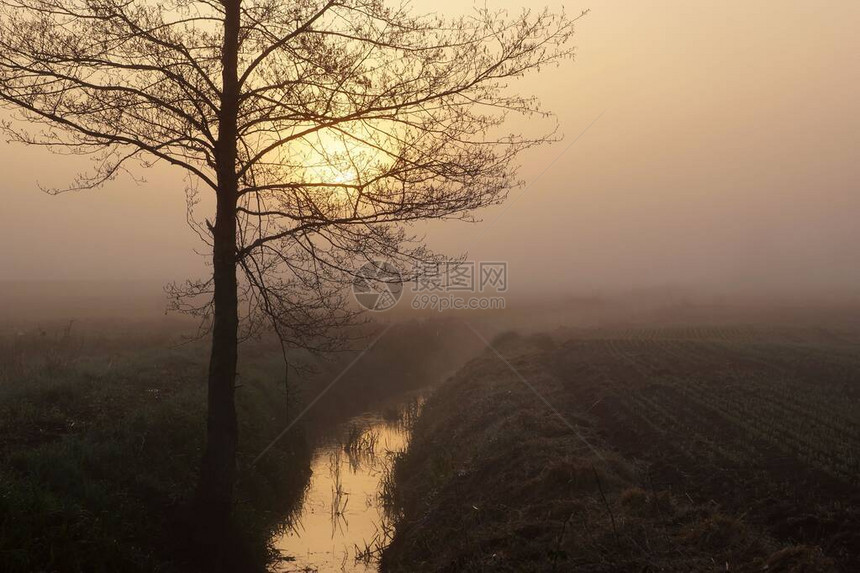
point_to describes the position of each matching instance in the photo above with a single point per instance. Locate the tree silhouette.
(323, 128)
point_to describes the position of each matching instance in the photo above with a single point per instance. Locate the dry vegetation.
(714, 449)
(101, 432)
(101, 428)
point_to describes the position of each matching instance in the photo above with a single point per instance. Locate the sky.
(708, 145)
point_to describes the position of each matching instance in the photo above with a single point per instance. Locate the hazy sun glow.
(341, 162)
(692, 175)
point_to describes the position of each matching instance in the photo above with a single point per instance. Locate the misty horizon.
(725, 167)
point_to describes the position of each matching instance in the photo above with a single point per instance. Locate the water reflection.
(343, 524)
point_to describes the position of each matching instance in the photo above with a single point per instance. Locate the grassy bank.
(102, 428)
(495, 480)
(101, 437)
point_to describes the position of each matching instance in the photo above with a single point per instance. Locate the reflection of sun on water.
(342, 511)
(343, 523)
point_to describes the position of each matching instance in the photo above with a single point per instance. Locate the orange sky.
(725, 159)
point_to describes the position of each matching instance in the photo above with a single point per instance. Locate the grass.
(100, 444)
(494, 480)
(360, 440)
(101, 432)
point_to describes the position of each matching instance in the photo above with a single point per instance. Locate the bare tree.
(323, 128)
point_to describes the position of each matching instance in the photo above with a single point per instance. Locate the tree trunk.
(218, 468)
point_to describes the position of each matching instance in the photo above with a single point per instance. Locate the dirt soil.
(683, 449)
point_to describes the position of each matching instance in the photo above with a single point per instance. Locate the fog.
(659, 372)
(710, 147)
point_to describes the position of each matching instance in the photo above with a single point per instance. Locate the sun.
(340, 162)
